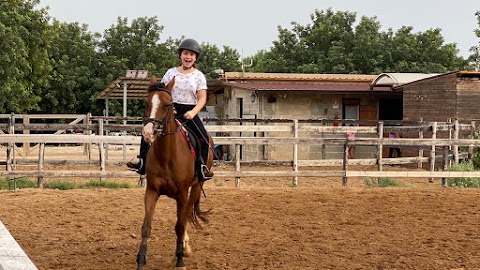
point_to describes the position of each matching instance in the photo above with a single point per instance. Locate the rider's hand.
(189, 115)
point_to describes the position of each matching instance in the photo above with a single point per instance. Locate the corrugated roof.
(462, 73)
(327, 87)
(394, 79)
(297, 77)
(137, 88)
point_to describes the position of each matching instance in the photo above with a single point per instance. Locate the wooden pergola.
(134, 86)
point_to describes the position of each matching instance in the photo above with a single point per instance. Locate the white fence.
(292, 133)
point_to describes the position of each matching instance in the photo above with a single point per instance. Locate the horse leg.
(180, 229)
(186, 244)
(151, 197)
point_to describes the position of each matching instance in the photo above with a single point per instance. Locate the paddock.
(265, 224)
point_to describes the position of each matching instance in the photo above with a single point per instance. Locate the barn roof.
(304, 86)
(137, 83)
(462, 73)
(299, 82)
(228, 76)
(394, 79)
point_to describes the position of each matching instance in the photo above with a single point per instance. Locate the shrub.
(382, 182)
(62, 185)
(105, 184)
(463, 182)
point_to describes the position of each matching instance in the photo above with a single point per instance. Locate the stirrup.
(135, 166)
(206, 173)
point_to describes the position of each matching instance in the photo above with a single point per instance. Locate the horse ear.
(153, 79)
(169, 86)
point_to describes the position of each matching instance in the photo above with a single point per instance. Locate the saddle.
(192, 140)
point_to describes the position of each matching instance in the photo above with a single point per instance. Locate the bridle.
(160, 124)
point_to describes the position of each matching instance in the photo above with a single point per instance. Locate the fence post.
(41, 162)
(100, 148)
(11, 146)
(445, 165)
(380, 146)
(456, 134)
(470, 147)
(295, 152)
(237, 164)
(88, 146)
(345, 163)
(432, 150)
(26, 146)
(420, 151)
(449, 127)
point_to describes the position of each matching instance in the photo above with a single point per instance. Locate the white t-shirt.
(186, 85)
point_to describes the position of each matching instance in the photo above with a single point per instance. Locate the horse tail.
(197, 214)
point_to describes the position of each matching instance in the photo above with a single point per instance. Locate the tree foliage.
(332, 43)
(54, 67)
(474, 58)
(24, 61)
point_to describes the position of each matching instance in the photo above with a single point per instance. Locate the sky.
(252, 25)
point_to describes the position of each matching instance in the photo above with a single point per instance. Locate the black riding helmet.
(189, 44)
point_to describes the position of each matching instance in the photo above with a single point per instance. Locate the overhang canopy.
(305, 86)
(137, 82)
(393, 79)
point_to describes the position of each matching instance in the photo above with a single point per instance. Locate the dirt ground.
(266, 223)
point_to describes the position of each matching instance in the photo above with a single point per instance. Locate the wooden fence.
(94, 133)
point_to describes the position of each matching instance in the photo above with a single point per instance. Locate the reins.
(163, 123)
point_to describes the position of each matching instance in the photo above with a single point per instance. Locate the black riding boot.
(139, 166)
(205, 173)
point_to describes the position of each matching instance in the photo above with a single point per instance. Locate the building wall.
(284, 105)
(468, 98)
(432, 99)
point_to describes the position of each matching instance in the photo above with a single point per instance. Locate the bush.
(382, 182)
(105, 184)
(21, 183)
(62, 185)
(463, 182)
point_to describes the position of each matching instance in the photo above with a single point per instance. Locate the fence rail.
(293, 132)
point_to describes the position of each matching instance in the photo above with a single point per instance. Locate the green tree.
(331, 44)
(135, 46)
(368, 49)
(474, 58)
(212, 58)
(75, 64)
(24, 62)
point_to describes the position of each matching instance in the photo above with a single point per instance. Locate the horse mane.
(156, 84)
(155, 87)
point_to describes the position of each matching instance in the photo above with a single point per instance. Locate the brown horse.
(170, 170)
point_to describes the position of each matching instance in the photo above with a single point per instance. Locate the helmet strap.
(185, 68)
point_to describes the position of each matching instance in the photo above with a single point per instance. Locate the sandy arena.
(264, 224)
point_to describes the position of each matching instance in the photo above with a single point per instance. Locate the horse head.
(159, 109)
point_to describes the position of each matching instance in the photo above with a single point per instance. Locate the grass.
(20, 183)
(62, 184)
(463, 182)
(382, 182)
(105, 184)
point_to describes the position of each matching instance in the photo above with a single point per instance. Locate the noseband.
(161, 124)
